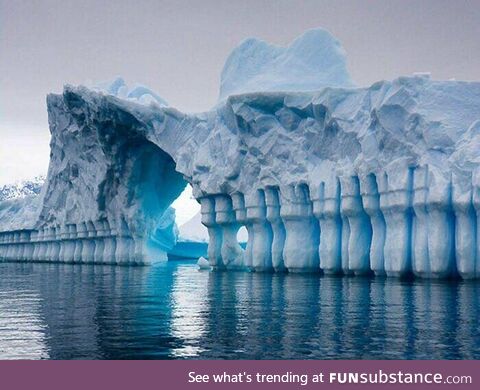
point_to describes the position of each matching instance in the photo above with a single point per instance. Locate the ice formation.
(313, 61)
(324, 176)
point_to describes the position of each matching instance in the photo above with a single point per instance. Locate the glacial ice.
(325, 177)
(138, 93)
(203, 264)
(313, 61)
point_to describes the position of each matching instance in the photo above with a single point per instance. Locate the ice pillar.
(238, 204)
(326, 207)
(99, 242)
(110, 242)
(81, 234)
(395, 189)
(433, 236)
(465, 225)
(86, 234)
(371, 205)
(231, 252)
(301, 230)
(359, 223)
(124, 244)
(207, 209)
(261, 231)
(55, 252)
(272, 202)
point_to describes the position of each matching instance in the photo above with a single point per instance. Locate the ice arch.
(108, 191)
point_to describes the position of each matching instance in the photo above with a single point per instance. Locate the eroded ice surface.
(313, 61)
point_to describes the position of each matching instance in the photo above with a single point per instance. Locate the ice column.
(420, 260)
(86, 233)
(99, 242)
(12, 247)
(261, 231)
(9, 251)
(207, 209)
(301, 230)
(24, 238)
(238, 204)
(16, 246)
(19, 246)
(360, 228)
(34, 240)
(395, 189)
(326, 207)
(2, 246)
(50, 238)
(63, 234)
(55, 253)
(125, 246)
(42, 256)
(110, 242)
(433, 236)
(81, 234)
(465, 226)
(140, 256)
(272, 202)
(441, 232)
(371, 205)
(7, 246)
(476, 205)
(70, 236)
(231, 252)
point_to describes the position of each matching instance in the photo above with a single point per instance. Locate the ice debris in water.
(203, 264)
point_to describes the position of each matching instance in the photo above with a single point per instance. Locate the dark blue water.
(172, 311)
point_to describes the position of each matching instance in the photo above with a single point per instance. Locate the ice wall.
(326, 178)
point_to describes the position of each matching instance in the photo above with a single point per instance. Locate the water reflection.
(171, 310)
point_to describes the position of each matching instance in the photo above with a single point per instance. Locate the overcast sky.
(178, 49)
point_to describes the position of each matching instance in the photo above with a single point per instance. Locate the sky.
(178, 49)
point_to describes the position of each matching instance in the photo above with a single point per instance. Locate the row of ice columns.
(86, 242)
(14, 244)
(394, 223)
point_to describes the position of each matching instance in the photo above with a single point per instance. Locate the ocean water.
(174, 311)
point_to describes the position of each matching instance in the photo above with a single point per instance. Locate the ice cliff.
(325, 176)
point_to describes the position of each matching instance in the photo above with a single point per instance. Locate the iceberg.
(325, 176)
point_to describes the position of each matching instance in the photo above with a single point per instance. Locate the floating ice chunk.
(203, 264)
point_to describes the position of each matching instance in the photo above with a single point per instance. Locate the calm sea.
(174, 311)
